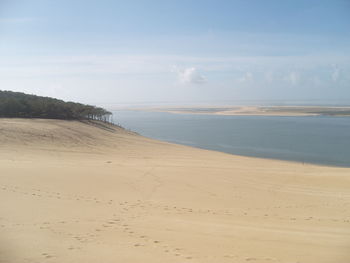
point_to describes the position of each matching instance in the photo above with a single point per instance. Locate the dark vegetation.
(21, 105)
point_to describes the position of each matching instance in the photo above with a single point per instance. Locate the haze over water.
(311, 139)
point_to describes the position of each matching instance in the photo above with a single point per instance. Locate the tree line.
(21, 105)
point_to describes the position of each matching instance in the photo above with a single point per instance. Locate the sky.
(185, 51)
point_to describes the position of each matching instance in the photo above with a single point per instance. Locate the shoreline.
(261, 157)
(131, 132)
(280, 150)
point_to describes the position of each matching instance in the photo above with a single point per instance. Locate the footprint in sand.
(46, 255)
(250, 259)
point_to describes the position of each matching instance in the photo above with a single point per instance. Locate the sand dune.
(79, 192)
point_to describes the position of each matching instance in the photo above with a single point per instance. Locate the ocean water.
(314, 139)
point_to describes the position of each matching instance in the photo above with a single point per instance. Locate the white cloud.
(335, 74)
(191, 75)
(246, 78)
(132, 77)
(293, 77)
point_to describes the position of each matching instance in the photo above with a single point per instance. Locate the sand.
(74, 192)
(282, 111)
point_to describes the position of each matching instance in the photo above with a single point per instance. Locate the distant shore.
(255, 110)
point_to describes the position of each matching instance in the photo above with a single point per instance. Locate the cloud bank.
(191, 76)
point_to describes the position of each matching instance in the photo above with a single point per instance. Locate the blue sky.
(176, 51)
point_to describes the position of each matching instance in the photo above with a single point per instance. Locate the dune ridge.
(84, 192)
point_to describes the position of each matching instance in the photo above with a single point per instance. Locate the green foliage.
(21, 105)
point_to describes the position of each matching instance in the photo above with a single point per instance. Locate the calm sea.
(316, 139)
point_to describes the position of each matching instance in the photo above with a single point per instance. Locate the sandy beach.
(229, 110)
(79, 192)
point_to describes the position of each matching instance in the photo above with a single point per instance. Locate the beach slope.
(89, 192)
